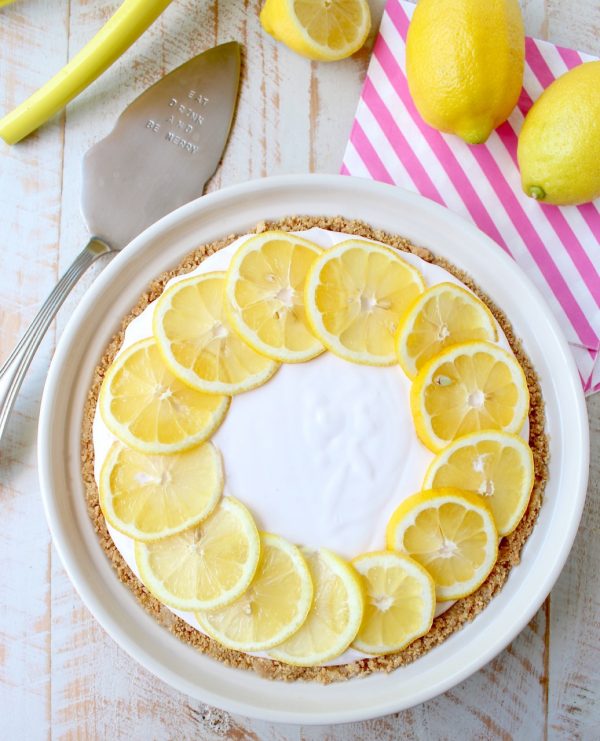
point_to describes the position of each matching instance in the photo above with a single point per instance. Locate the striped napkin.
(559, 248)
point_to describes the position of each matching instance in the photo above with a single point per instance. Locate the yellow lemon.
(559, 144)
(206, 566)
(335, 615)
(193, 333)
(496, 465)
(265, 295)
(273, 608)
(355, 296)
(148, 408)
(442, 316)
(326, 30)
(149, 497)
(467, 388)
(464, 64)
(400, 601)
(451, 533)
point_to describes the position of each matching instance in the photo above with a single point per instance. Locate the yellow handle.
(117, 35)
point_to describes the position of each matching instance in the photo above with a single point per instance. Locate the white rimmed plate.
(237, 209)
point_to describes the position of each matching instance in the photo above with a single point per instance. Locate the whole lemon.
(559, 144)
(464, 64)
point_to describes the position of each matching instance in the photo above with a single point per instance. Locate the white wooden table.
(60, 674)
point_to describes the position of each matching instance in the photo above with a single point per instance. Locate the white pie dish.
(237, 209)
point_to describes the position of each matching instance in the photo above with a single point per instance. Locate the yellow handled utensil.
(117, 35)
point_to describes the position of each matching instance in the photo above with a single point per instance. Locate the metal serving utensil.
(160, 154)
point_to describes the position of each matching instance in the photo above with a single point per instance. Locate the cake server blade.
(160, 154)
(164, 147)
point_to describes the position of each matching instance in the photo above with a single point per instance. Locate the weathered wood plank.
(31, 177)
(575, 25)
(271, 131)
(574, 691)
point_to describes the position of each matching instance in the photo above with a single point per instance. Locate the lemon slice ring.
(229, 616)
(335, 615)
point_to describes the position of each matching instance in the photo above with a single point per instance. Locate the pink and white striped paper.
(559, 248)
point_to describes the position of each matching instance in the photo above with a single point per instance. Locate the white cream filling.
(321, 454)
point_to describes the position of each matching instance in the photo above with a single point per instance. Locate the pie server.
(160, 154)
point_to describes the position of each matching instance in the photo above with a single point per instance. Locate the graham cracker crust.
(453, 619)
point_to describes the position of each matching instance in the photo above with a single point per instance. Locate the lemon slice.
(495, 465)
(327, 31)
(148, 497)
(335, 616)
(144, 405)
(273, 608)
(449, 532)
(355, 295)
(206, 566)
(466, 388)
(444, 315)
(197, 342)
(265, 296)
(400, 602)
